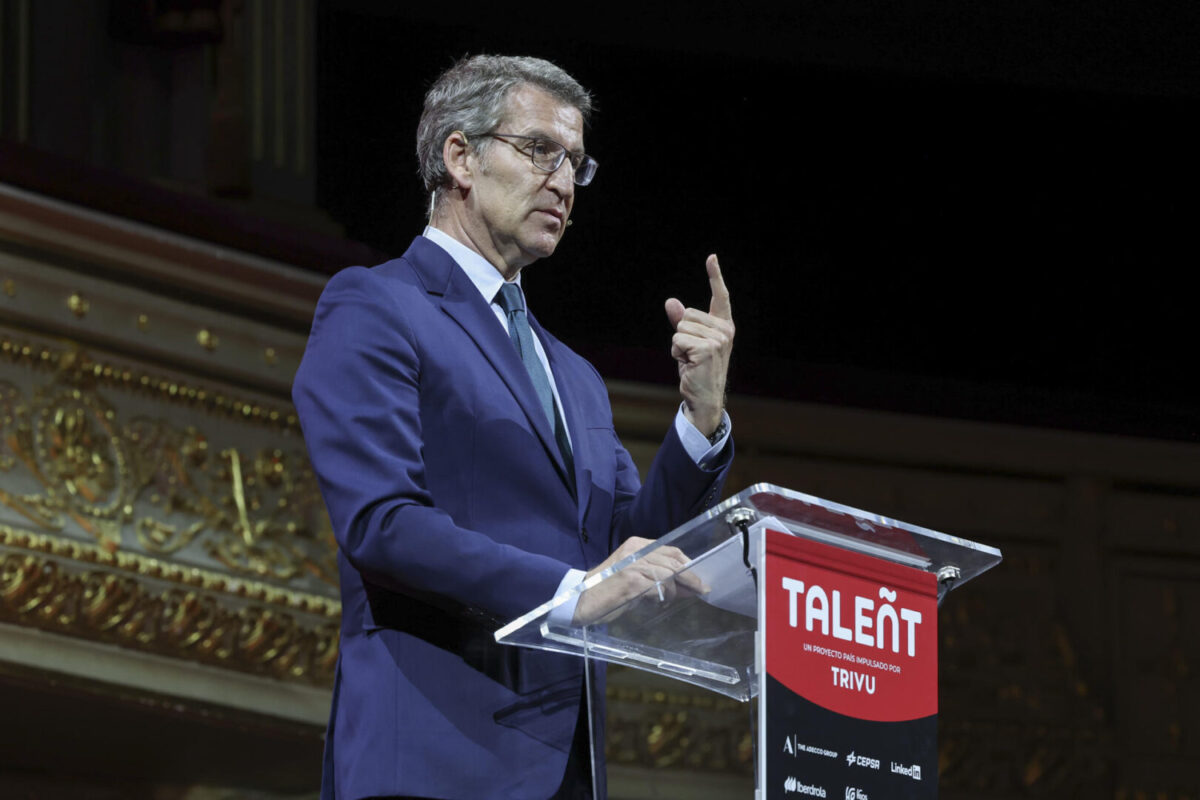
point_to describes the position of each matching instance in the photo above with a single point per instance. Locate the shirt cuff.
(696, 443)
(565, 614)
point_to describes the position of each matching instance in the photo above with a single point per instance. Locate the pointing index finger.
(719, 306)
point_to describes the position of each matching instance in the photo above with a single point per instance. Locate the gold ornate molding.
(156, 513)
(181, 620)
(83, 368)
(136, 566)
(257, 510)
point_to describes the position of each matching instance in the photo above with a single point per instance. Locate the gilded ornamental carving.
(148, 512)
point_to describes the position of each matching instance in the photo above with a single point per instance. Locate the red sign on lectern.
(849, 692)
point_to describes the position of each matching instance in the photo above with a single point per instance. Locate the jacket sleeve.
(675, 490)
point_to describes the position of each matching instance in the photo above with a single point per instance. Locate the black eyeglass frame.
(582, 165)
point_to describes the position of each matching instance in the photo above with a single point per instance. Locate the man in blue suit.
(469, 463)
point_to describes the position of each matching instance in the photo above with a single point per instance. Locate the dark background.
(982, 211)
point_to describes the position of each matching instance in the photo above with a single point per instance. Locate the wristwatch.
(719, 433)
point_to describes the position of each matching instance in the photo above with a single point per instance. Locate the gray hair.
(471, 97)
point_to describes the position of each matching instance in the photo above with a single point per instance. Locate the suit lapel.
(571, 411)
(463, 303)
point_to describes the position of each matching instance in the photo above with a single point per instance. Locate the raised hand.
(701, 346)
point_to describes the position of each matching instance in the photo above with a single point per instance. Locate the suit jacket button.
(584, 532)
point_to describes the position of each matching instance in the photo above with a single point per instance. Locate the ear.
(455, 152)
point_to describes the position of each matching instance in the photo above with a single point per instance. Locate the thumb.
(674, 312)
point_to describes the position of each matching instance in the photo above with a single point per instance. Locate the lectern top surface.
(707, 638)
(864, 531)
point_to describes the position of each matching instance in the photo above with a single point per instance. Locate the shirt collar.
(483, 274)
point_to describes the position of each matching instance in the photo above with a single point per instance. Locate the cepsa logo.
(876, 629)
(855, 760)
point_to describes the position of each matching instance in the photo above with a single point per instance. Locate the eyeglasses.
(548, 155)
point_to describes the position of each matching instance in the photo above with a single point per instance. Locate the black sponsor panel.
(815, 752)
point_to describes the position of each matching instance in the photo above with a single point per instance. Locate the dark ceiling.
(980, 211)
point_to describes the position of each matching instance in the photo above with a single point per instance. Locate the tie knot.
(510, 298)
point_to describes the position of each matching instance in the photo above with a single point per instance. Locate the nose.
(562, 181)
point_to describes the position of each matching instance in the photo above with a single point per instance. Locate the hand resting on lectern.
(660, 568)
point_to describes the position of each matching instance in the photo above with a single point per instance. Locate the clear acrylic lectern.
(706, 635)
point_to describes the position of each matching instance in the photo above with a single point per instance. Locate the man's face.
(522, 210)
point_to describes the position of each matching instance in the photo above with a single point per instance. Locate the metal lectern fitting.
(740, 519)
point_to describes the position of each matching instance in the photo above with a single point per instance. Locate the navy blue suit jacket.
(454, 513)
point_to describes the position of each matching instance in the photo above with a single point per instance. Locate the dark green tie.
(512, 301)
